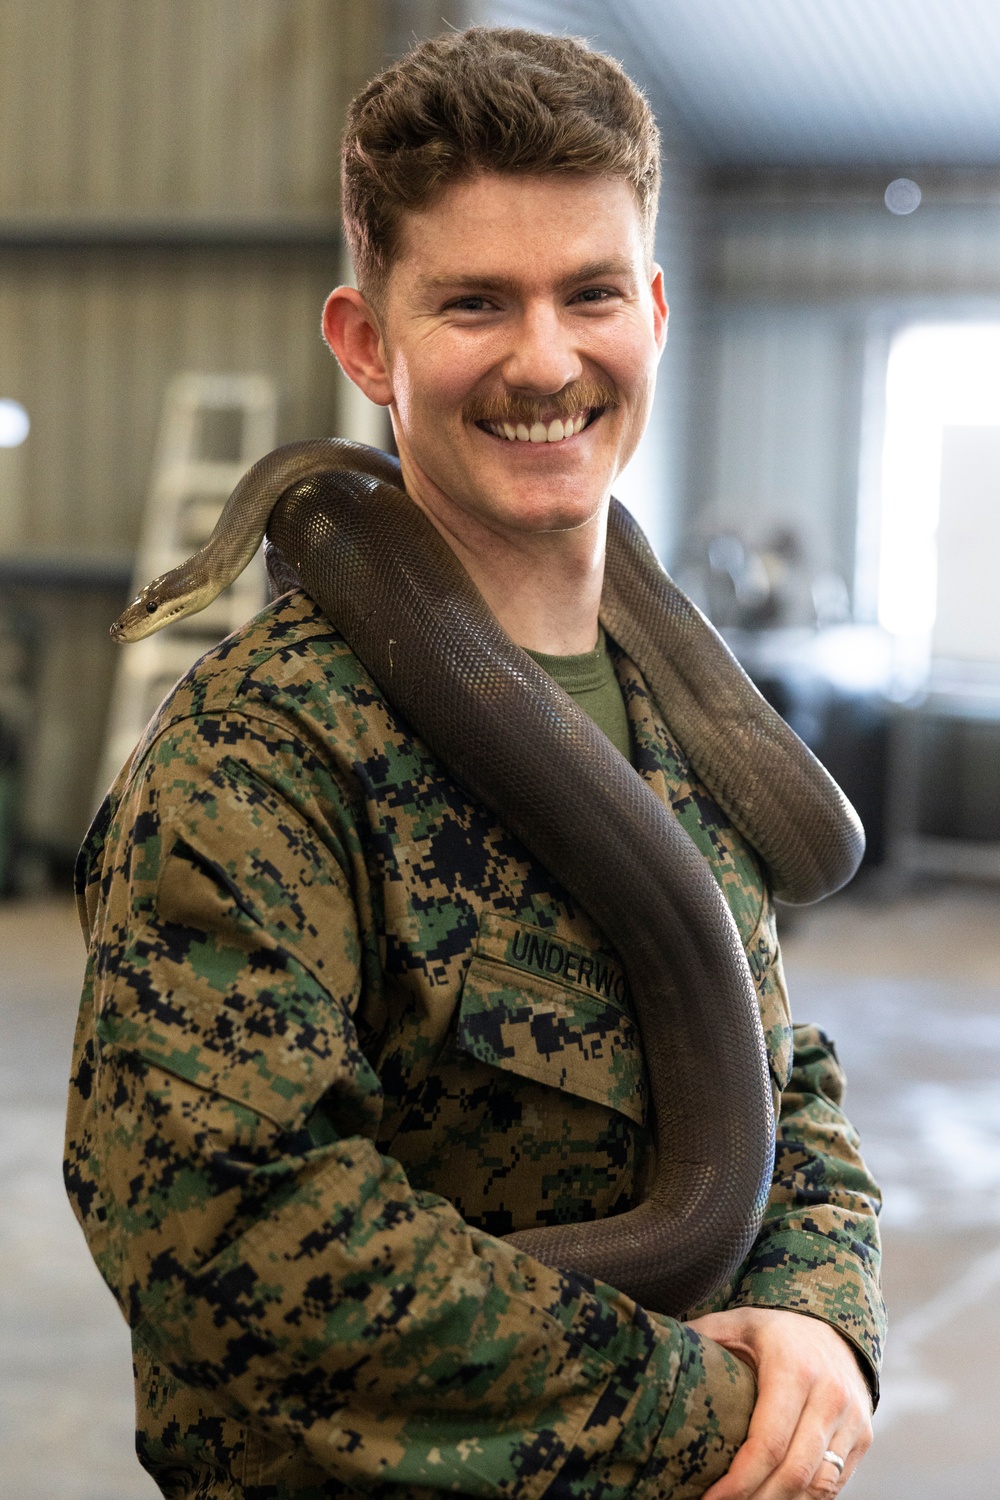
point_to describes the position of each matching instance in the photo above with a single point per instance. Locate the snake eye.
(151, 607)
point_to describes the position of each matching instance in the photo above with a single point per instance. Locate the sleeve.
(222, 1161)
(818, 1251)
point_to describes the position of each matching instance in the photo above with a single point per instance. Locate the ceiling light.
(14, 424)
(902, 196)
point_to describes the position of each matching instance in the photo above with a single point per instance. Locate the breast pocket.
(555, 1012)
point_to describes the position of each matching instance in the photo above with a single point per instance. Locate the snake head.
(165, 600)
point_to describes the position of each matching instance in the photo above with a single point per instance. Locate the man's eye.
(595, 294)
(470, 304)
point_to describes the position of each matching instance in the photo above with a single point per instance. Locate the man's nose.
(543, 357)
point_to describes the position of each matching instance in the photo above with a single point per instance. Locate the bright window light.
(939, 375)
(14, 424)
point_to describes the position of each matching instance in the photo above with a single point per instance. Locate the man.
(292, 1152)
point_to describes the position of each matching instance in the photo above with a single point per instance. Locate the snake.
(337, 521)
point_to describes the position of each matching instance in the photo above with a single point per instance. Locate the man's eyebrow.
(614, 266)
(592, 271)
(455, 279)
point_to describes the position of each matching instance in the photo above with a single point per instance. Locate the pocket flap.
(549, 1010)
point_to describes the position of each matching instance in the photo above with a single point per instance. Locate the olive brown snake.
(389, 583)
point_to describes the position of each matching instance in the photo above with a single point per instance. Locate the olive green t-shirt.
(592, 683)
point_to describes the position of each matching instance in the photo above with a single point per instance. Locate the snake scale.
(338, 516)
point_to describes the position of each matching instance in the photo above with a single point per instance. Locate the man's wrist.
(860, 1353)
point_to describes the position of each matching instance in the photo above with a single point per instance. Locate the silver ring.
(829, 1457)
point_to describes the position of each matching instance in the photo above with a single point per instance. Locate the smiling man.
(311, 1095)
(515, 341)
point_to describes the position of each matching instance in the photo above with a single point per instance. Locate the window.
(940, 513)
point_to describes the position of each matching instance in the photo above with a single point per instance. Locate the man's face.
(521, 308)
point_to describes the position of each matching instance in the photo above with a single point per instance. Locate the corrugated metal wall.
(822, 236)
(209, 108)
(101, 333)
(808, 275)
(89, 338)
(168, 201)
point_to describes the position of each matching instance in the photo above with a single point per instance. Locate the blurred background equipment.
(822, 470)
(214, 427)
(770, 585)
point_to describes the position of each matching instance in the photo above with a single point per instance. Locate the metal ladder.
(213, 428)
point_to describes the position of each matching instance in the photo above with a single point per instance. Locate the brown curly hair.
(487, 99)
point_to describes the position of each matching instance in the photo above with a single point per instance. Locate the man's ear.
(351, 329)
(661, 312)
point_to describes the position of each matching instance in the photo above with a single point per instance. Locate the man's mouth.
(555, 431)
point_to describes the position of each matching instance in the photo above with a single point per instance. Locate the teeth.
(539, 432)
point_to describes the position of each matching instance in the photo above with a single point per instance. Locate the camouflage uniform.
(339, 1033)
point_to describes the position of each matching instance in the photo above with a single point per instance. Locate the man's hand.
(811, 1396)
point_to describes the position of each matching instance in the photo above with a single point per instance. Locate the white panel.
(967, 627)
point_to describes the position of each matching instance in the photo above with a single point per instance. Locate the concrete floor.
(66, 1416)
(911, 992)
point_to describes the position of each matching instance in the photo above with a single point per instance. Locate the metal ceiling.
(795, 82)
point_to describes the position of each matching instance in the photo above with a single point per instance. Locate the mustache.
(517, 406)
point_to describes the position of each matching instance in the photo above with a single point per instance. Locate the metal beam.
(162, 232)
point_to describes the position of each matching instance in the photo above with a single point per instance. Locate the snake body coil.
(511, 736)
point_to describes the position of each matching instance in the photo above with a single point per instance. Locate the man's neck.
(547, 598)
(543, 587)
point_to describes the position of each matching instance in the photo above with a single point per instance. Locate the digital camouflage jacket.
(340, 1033)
